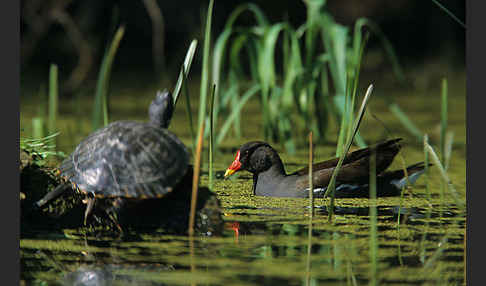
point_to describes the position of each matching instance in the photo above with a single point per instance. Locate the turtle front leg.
(89, 201)
(58, 191)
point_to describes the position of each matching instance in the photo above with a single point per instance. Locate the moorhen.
(270, 179)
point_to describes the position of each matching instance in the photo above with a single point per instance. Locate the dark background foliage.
(74, 34)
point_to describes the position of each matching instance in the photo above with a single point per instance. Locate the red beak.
(235, 166)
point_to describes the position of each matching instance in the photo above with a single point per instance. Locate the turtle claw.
(89, 208)
(112, 215)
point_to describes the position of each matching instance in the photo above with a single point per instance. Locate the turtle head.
(161, 109)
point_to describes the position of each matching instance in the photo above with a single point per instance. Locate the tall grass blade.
(185, 89)
(205, 66)
(219, 51)
(443, 130)
(211, 154)
(37, 127)
(311, 210)
(234, 102)
(195, 181)
(100, 110)
(449, 13)
(302, 84)
(309, 252)
(42, 147)
(266, 74)
(427, 192)
(355, 79)
(400, 205)
(437, 254)
(192, 261)
(332, 184)
(364, 103)
(443, 120)
(373, 221)
(234, 113)
(235, 74)
(311, 181)
(448, 149)
(334, 38)
(387, 46)
(53, 98)
(43, 97)
(186, 66)
(426, 169)
(218, 55)
(400, 257)
(257, 13)
(407, 123)
(452, 190)
(464, 255)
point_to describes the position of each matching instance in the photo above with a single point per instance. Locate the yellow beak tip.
(228, 173)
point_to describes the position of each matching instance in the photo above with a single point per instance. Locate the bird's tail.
(400, 180)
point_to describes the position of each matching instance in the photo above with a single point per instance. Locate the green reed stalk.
(448, 149)
(332, 183)
(311, 181)
(443, 130)
(294, 89)
(211, 111)
(449, 13)
(185, 68)
(386, 44)
(205, 66)
(400, 204)
(192, 261)
(195, 181)
(235, 112)
(78, 113)
(445, 178)
(407, 123)
(402, 191)
(185, 90)
(437, 254)
(41, 148)
(311, 210)
(309, 250)
(426, 163)
(349, 253)
(343, 128)
(427, 192)
(39, 122)
(350, 96)
(358, 60)
(464, 255)
(101, 98)
(443, 120)
(373, 221)
(53, 98)
(37, 127)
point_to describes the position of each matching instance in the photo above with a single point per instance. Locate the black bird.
(271, 180)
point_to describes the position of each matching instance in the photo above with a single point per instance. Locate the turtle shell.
(127, 159)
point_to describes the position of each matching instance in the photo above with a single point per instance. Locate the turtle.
(125, 161)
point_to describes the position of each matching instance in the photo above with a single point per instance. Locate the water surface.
(266, 241)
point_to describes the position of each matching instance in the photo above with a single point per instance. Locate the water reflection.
(258, 246)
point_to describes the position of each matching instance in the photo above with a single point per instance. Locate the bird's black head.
(254, 157)
(161, 109)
